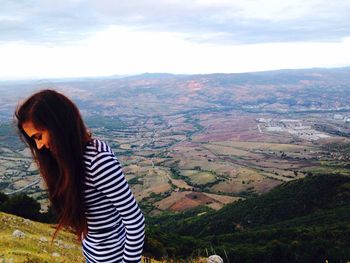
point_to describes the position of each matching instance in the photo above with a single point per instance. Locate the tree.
(49, 217)
(22, 205)
(3, 199)
(154, 248)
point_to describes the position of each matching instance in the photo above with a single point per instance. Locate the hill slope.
(35, 245)
(307, 220)
(288, 201)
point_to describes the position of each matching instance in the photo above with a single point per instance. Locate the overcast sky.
(44, 39)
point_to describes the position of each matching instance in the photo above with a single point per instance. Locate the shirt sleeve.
(110, 180)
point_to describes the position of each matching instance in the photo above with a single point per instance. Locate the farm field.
(216, 157)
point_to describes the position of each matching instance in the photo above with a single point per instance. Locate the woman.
(86, 186)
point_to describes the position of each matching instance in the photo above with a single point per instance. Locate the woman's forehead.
(30, 128)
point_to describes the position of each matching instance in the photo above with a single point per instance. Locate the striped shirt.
(115, 222)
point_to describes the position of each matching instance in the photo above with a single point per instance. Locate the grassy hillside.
(288, 201)
(36, 245)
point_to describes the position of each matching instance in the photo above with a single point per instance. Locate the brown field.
(25, 181)
(265, 185)
(133, 169)
(125, 146)
(179, 183)
(173, 137)
(235, 126)
(222, 128)
(232, 186)
(278, 163)
(189, 201)
(180, 201)
(266, 146)
(246, 178)
(188, 164)
(167, 202)
(219, 150)
(224, 199)
(155, 181)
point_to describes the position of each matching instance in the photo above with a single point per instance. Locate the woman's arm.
(109, 179)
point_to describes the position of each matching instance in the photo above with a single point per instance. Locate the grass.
(36, 245)
(326, 170)
(202, 178)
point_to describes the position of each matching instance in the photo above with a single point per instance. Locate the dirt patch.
(224, 199)
(191, 200)
(266, 185)
(180, 201)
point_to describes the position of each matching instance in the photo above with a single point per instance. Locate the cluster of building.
(292, 126)
(341, 117)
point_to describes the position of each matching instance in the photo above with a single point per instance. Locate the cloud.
(203, 21)
(71, 38)
(118, 50)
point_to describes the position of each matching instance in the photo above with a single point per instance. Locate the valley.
(201, 140)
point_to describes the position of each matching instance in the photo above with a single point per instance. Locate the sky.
(76, 38)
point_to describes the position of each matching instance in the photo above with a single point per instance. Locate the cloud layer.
(208, 21)
(72, 38)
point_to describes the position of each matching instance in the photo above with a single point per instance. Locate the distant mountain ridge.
(272, 91)
(280, 91)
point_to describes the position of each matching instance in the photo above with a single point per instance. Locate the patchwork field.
(179, 162)
(222, 134)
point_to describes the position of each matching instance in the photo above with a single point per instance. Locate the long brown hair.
(62, 166)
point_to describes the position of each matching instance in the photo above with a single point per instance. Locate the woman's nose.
(39, 145)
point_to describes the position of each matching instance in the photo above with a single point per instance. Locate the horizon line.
(120, 76)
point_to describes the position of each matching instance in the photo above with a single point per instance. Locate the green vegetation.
(26, 207)
(325, 168)
(175, 173)
(248, 193)
(196, 126)
(35, 245)
(331, 130)
(147, 203)
(135, 180)
(200, 179)
(307, 220)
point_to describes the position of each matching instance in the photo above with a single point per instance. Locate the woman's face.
(41, 137)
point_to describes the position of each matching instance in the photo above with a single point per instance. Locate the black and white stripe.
(115, 222)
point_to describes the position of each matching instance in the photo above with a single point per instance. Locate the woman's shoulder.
(97, 146)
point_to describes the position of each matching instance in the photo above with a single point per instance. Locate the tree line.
(25, 206)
